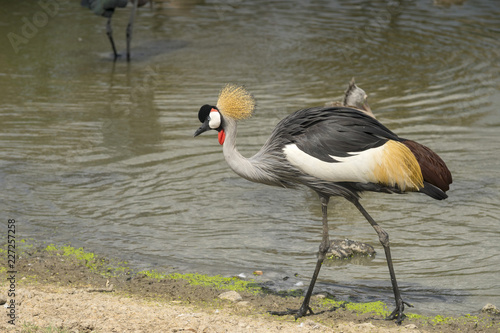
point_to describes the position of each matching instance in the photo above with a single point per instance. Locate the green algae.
(90, 260)
(103, 267)
(378, 308)
(218, 282)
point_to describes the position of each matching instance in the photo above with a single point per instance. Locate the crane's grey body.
(320, 139)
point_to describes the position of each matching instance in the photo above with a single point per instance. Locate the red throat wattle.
(222, 136)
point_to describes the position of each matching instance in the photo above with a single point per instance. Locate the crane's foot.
(398, 312)
(296, 313)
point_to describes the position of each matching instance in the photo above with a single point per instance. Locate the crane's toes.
(291, 312)
(398, 312)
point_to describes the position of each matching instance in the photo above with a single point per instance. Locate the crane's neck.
(249, 168)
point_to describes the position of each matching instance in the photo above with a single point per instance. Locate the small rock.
(312, 324)
(232, 295)
(411, 326)
(365, 327)
(491, 309)
(243, 303)
(258, 273)
(346, 248)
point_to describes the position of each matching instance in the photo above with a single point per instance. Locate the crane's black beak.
(203, 128)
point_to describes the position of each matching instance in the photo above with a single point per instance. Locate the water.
(102, 155)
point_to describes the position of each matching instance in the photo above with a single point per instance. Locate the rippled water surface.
(102, 155)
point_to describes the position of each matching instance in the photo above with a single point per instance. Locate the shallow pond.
(102, 155)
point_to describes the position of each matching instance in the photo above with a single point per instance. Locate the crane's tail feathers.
(434, 170)
(433, 191)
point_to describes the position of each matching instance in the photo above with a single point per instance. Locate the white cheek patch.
(214, 122)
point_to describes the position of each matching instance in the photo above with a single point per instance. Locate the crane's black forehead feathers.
(204, 112)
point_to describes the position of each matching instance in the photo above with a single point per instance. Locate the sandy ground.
(80, 310)
(56, 293)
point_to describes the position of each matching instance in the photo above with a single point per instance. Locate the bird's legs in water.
(323, 249)
(109, 32)
(384, 240)
(130, 27)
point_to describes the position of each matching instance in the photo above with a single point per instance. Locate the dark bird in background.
(106, 8)
(335, 151)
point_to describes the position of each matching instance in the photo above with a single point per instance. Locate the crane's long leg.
(323, 249)
(384, 240)
(130, 27)
(109, 32)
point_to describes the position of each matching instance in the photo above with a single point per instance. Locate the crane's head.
(234, 103)
(211, 119)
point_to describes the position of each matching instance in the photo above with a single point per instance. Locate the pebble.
(232, 295)
(313, 325)
(258, 272)
(346, 248)
(491, 309)
(411, 326)
(243, 304)
(366, 325)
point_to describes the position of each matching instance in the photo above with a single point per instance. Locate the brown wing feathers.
(434, 170)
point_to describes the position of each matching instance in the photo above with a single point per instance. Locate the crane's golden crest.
(235, 102)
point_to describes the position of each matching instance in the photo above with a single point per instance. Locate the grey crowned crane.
(107, 8)
(335, 151)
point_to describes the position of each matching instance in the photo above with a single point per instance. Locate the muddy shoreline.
(62, 289)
